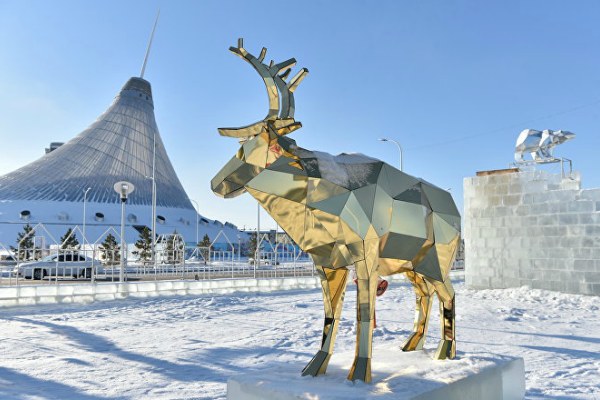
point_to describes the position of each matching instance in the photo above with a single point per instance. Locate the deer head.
(262, 142)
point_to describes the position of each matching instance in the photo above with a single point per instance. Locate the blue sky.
(453, 81)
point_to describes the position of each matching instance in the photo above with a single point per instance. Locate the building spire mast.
(149, 45)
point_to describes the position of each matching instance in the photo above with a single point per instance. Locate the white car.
(58, 265)
(264, 261)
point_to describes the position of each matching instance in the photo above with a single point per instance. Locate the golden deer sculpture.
(346, 210)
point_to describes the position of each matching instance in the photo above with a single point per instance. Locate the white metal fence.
(39, 257)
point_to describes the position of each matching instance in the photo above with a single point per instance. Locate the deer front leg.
(423, 293)
(447, 347)
(333, 282)
(366, 289)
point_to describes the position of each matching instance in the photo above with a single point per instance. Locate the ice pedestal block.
(396, 375)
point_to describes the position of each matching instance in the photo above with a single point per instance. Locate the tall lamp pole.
(85, 192)
(399, 149)
(257, 257)
(123, 189)
(197, 216)
(153, 177)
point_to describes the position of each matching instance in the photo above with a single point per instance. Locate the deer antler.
(274, 77)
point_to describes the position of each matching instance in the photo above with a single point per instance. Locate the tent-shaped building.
(123, 144)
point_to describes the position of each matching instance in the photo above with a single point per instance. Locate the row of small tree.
(110, 250)
(28, 250)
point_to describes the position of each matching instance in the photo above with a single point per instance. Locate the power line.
(513, 126)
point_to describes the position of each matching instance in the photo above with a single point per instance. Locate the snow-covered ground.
(187, 347)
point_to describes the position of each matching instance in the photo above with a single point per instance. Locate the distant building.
(119, 146)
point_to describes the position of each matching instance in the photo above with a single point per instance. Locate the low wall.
(531, 228)
(87, 293)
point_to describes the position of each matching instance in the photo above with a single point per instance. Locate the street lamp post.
(257, 255)
(197, 221)
(399, 149)
(154, 198)
(153, 209)
(123, 189)
(153, 218)
(85, 192)
(276, 248)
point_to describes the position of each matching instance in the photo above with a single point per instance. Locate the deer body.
(347, 210)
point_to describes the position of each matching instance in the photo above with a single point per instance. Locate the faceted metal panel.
(280, 184)
(452, 220)
(321, 189)
(429, 267)
(395, 182)
(333, 205)
(117, 147)
(411, 195)
(366, 198)
(395, 243)
(355, 216)
(446, 254)
(383, 206)
(444, 232)
(285, 164)
(440, 200)
(346, 210)
(409, 219)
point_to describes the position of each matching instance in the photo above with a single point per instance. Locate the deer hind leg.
(367, 279)
(333, 282)
(447, 347)
(423, 292)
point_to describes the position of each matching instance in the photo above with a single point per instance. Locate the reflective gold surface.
(346, 210)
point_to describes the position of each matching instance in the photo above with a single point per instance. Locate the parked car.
(58, 265)
(264, 261)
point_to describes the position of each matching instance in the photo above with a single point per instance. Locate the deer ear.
(243, 132)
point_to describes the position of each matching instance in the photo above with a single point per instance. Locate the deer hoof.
(446, 350)
(414, 342)
(361, 370)
(318, 364)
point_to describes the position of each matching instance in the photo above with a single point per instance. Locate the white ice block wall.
(532, 228)
(87, 292)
